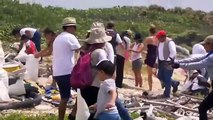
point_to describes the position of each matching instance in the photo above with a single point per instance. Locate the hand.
(109, 105)
(172, 61)
(36, 55)
(175, 65)
(92, 108)
(156, 65)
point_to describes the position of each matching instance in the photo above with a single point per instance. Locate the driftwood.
(166, 113)
(191, 96)
(170, 105)
(141, 108)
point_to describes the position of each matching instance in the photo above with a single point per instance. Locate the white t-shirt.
(134, 55)
(198, 49)
(104, 97)
(64, 47)
(32, 31)
(172, 50)
(99, 55)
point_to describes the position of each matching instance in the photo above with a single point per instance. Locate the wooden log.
(191, 96)
(166, 113)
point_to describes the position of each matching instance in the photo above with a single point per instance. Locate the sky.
(204, 5)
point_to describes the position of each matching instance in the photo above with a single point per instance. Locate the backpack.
(113, 42)
(81, 75)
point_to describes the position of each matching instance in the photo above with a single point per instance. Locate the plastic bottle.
(32, 66)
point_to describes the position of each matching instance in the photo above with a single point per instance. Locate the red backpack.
(81, 75)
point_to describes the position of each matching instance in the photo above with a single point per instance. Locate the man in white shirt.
(116, 42)
(166, 51)
(64, 47)
(120, 56)
(198, 49)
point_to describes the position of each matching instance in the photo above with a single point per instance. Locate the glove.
(175, 65)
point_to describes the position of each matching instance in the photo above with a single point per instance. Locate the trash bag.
(22, 56)
(82, 108)
(4, 92)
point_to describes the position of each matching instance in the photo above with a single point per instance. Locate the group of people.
(110, 49)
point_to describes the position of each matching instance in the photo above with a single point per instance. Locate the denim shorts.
(137, 64)
(63, 85)
(108, 116)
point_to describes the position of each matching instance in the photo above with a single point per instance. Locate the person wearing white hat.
(64, 47)
(99, 40)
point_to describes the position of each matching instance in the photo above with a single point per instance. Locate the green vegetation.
(185, 25)
(16, 116)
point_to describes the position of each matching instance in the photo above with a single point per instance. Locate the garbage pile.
(179, 107)
(16, 92)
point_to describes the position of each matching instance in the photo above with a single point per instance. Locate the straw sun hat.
(69, 21)
(98, 34)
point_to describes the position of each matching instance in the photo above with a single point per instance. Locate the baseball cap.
(208, 40)
(160, 33)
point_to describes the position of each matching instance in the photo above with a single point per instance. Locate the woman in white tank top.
(136, 58)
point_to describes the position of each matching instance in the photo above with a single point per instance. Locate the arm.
(113, 95)
(113, 98)
(128, 42)
(73, 43)
(110, 52)
(140, 49)
(206, 62)
(119, 41)
(172, 49)
(145, 43)
(191, 59)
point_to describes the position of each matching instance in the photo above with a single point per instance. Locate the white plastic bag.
(4, 77)
(32, 66)
(17, 88)
(22, 56)
(4, 92)
(82, 108)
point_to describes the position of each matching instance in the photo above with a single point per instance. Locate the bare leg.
(62, 109)
(149, 71)
(136, 78)
(140, 80)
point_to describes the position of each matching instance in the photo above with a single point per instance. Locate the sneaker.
(175, 88)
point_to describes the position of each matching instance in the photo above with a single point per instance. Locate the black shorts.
(64, 85)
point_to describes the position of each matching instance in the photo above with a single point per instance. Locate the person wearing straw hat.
(64, 47)
(100, 40)
(198, 62)
(97, 40)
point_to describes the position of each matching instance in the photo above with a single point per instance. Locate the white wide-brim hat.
(98, 34)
